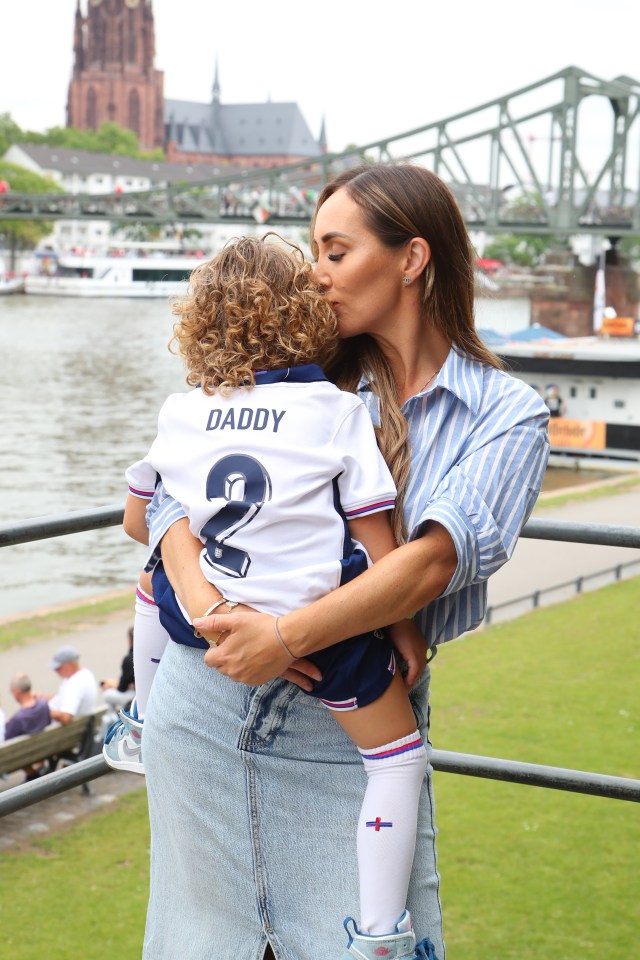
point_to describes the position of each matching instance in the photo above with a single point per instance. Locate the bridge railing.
(512, 771)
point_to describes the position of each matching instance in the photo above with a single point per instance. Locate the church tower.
(114, 78)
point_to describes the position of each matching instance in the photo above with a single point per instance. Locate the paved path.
(536, 564)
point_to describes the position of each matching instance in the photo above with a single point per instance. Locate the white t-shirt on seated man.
(78, 692)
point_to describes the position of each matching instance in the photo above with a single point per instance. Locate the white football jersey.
(267, 477)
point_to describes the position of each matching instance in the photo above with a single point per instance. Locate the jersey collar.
(307, 373)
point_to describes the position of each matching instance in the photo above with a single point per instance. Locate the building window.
(593, 393)
(619, 404)
(132, 50)
(92, 110)
(573, 391)
(134, 112)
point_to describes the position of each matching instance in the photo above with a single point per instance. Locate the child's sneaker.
(123, 743)
(393, 946)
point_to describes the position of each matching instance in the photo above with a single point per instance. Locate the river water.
(81, 383)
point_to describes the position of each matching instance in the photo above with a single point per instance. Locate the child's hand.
(412, 647)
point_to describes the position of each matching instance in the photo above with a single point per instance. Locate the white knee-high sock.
(387, 830)
(149, 641)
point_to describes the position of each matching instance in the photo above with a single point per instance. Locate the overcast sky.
(371, 69)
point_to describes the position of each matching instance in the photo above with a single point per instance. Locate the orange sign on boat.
(617, 327)
(577, 434)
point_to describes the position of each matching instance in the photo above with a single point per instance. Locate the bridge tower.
(114, 78)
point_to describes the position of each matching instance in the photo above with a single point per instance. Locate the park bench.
(69, 742)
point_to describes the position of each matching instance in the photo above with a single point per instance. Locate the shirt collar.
(460, 374)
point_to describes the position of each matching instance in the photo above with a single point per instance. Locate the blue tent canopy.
(536, 332)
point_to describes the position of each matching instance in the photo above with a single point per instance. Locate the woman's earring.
(406, 281)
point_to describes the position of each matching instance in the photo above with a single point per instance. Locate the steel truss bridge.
(559, 157)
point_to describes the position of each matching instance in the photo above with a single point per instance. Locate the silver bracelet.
(214, 606)
(276, 629)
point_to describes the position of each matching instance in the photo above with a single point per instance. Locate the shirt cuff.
(462, 532)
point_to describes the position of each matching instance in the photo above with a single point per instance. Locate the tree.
(109, 138)
(9, 132)
(24, 234)
(630, 247)
(523, 250)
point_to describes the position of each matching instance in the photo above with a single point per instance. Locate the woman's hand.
(412, 647)
(247, 650)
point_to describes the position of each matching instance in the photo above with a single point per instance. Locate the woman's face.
(362, 278)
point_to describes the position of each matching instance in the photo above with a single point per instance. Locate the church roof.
(242, 129)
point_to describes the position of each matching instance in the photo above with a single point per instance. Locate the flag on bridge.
(599, 297)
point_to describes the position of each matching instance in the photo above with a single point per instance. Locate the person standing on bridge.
(235, 859)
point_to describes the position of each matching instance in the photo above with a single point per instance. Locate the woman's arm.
(394, 588)
(375, 534)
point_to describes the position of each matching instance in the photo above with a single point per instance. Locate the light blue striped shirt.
(479, 448)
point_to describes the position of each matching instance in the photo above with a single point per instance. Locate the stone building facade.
(114, 77)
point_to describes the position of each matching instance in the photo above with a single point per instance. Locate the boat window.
(84, 272)
(149, 274)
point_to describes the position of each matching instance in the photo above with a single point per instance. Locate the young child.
(280, 476)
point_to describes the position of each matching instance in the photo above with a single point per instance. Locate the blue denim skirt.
(254, 796)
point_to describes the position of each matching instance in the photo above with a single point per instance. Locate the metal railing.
(492, 768)
(576, 585)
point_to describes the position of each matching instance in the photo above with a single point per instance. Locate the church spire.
(322, 139)
(215, 90)
(78, 41)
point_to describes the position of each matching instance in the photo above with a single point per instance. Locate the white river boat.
(136, 272)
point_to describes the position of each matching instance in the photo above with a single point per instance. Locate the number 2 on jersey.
(245, 484)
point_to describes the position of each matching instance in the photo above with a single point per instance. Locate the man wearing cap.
(78, 692)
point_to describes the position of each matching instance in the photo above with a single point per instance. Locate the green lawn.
(80, 894)
(15, 633)
(527, 873)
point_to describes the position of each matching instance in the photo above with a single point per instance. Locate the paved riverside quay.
(536, 565)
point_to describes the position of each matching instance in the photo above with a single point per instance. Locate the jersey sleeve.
(365, 484)
(141, 479)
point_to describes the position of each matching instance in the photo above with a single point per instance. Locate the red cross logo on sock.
(377, 823)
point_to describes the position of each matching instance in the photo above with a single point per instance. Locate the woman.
(234, 769)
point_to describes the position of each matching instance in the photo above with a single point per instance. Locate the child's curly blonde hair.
(254, 306)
